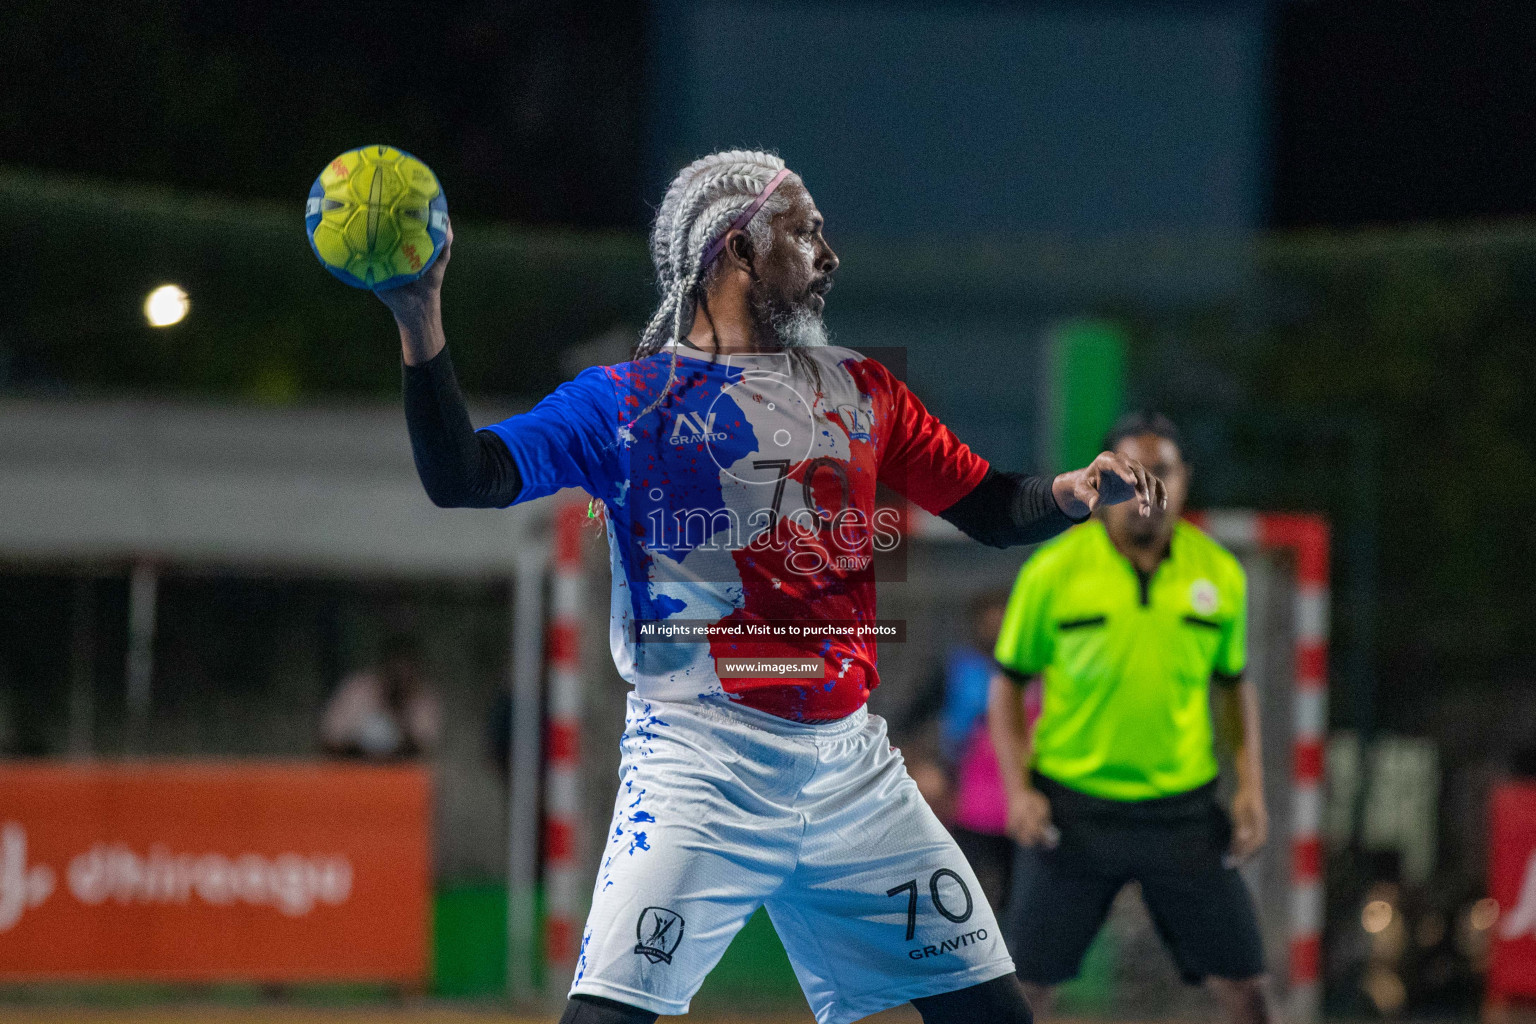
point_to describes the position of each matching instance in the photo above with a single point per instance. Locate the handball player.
(735, 460)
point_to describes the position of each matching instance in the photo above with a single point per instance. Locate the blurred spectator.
(981, 803)
(385, 712)
(949, 752)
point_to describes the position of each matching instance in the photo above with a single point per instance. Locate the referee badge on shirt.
(659, 931)
(1203, 597)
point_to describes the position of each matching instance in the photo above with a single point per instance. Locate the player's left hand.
(1108, 480)
(1250, 823)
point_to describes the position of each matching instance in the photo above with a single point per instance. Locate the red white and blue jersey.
(747, 498)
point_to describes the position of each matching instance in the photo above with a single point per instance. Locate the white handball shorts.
(722, 809)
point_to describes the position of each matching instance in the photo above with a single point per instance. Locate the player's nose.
(826, 259)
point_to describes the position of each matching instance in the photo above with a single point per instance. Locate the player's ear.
(738, 250)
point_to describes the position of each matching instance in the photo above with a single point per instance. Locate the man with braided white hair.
(735, 459)
(701, 203)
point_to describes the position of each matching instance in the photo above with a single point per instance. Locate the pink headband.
(744, 219)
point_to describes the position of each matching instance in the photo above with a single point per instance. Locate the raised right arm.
(459, 467)
(567, 440)
(925, 462)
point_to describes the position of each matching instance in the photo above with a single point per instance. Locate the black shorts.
(1172, 845)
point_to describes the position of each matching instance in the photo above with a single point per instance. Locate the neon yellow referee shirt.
(1126, 660)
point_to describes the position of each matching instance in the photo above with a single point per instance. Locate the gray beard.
(792, 328)
(800, 328)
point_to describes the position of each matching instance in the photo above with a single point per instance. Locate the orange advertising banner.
(219, 871)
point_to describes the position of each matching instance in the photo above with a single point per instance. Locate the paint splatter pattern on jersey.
(746, 498)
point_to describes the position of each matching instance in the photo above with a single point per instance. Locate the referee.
(1127, 620)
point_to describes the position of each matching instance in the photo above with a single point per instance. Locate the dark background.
(1382, 112)
(531, 111)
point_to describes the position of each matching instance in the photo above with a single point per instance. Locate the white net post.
(563, 876)
(1305, 537)
(526, 759)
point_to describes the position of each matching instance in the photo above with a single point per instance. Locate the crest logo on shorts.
(659, 931)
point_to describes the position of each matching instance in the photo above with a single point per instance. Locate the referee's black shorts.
(1172, 845)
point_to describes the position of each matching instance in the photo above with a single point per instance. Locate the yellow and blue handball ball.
(376, 217)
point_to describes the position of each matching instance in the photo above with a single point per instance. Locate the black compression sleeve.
(459, 467)
(1007, 509)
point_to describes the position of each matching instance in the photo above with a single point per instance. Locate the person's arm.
(1026, 645)
(1237, 712)
(924, 461)
(1006, 509)
(1236, 708)
(418, 309)
(459, 467)
(558, 444)
(1029, 812)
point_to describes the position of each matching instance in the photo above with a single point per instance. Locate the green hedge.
(268, 323)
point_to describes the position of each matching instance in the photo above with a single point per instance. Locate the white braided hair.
(702, 201)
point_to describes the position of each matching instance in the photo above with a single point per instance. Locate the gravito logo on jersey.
(701, 429)
(289, 882)
(659, 931)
